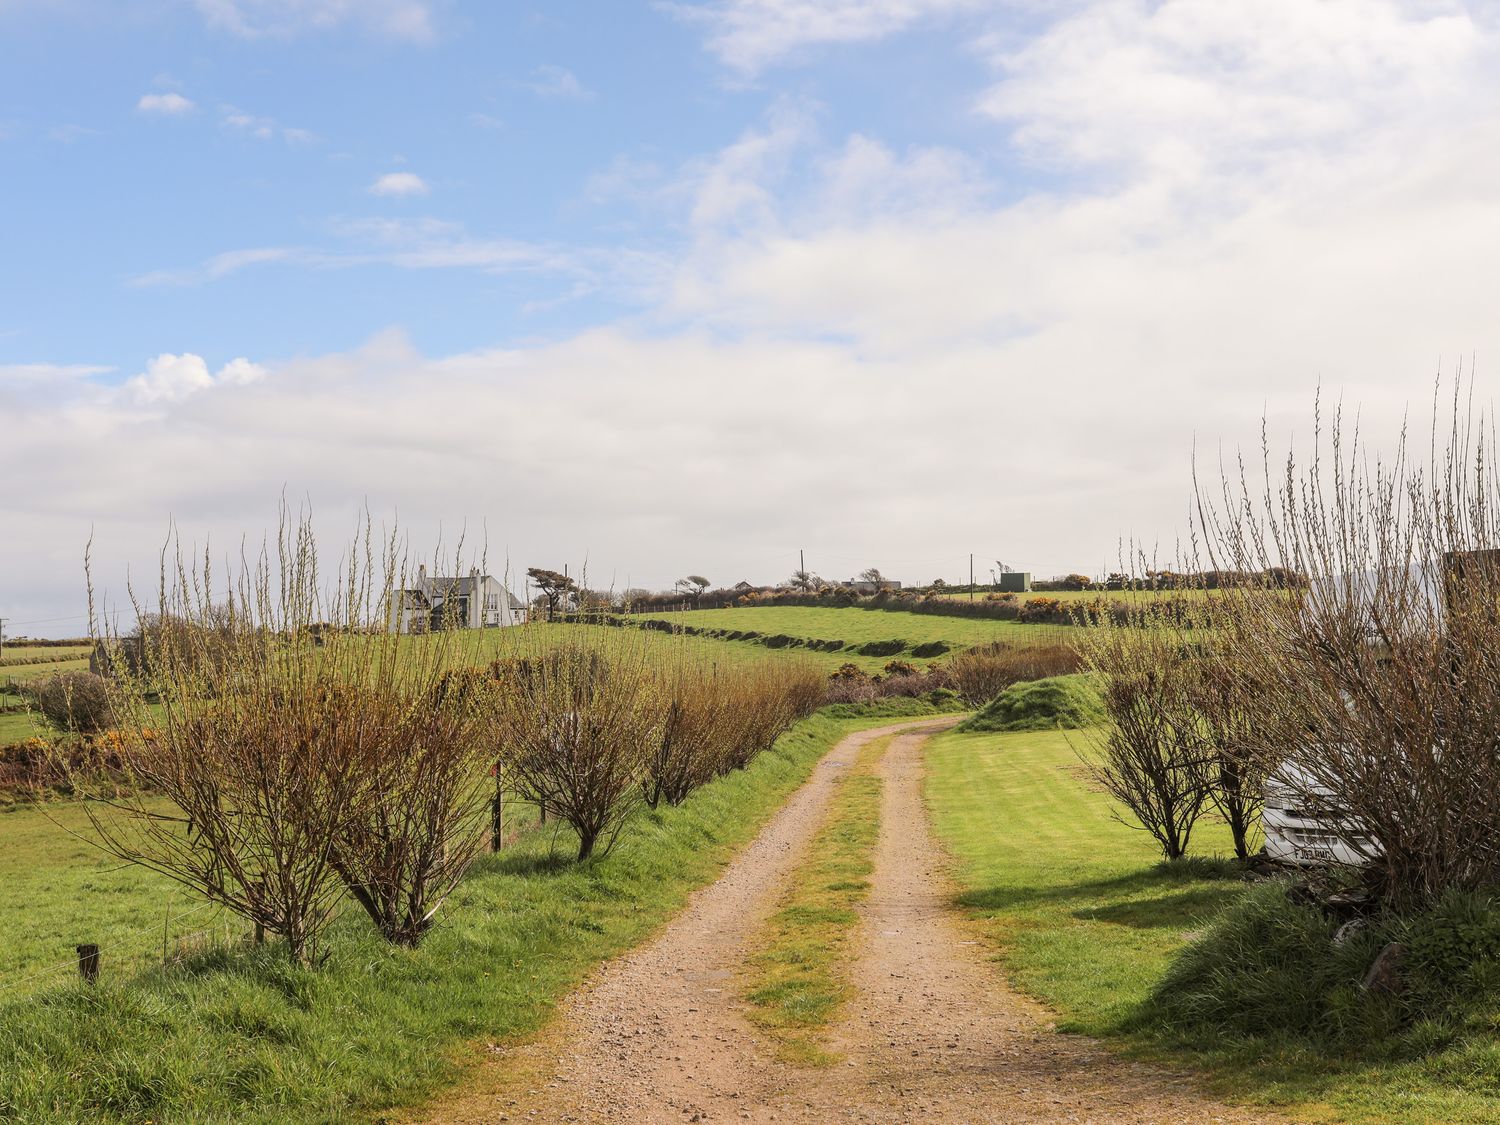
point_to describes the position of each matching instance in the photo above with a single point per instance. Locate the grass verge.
(1085, 918)
(795, 983)
(239, 1035)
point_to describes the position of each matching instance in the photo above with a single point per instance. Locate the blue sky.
(546, 126)
(687, 287)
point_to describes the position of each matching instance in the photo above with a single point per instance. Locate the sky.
(658, 288)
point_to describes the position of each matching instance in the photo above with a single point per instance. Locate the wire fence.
(144, 948)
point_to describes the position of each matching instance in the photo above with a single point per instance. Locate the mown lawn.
(1085, 918)
(234, 1034)
(858, 626)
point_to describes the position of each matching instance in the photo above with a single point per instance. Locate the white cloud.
(559, 82)
(396, 19)
(749, 35)
(404, 243)
(168, 105)
(1192, 86)
(172, 378)
(261, 128)
(14, 374)
(399, 184)
(870, 346)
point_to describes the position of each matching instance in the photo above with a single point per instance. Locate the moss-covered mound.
(1050, 704)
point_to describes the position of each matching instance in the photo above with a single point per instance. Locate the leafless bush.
(418, 816)
(1378, 687)
(1149, 758)
(981, 673)
(74, 701)
(578, 718)
(1221, 709)
(771, 697)
(700, 707)
(300, 765)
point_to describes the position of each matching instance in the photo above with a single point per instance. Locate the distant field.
(482, 646)
(860, 626)
(1086, 595)
(19, 663)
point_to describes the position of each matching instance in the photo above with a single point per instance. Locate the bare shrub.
(983, 672)
(1378, 686)
(298, 758)
(1149, 757)
(697, 721)
(418, 815)
(1221, 713)
(74, 701)
(771, 697)
(579, 717)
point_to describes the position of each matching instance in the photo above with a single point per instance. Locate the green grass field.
(859, 626)
(235, 1034)
(1085, 918)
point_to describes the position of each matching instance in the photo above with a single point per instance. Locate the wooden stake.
(88, 963)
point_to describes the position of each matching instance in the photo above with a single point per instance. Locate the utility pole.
(971, 576)
(2, 636)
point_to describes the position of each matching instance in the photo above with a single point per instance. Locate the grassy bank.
(795, 981)
(238, 1035)
(1086, 919)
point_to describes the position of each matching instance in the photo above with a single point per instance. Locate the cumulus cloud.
(399, 184)
(396, 19)
(167, 105)
(172, 378)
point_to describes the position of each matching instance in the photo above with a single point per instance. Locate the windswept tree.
(554, 585)
(873, 576)
(803, 580)
(694, 584)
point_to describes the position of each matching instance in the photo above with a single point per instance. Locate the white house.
(479, 601)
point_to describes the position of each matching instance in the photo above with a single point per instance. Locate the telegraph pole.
(2, 636)
(971, 576)
(801, 561)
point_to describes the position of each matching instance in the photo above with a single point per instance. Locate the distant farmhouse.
(864, 586)
(479, 601)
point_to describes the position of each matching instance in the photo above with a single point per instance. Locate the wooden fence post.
(497, 814)
(88, 963)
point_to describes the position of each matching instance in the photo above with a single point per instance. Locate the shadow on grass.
(1164, 911)
(1228, 873)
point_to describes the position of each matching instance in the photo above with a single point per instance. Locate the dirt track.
(933, 1034)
